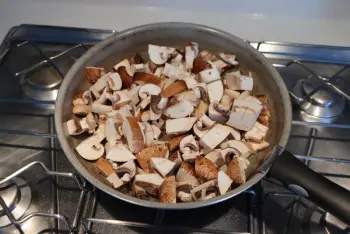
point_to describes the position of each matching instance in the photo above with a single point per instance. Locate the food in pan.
(177, 127)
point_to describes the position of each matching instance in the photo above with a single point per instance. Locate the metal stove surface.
(61, 201)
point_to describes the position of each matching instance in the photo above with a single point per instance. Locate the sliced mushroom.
(128, 168)
(223, 168)
(186, 174)
(174, 88)
(74, 128)
(215, 91)
(179, 110)
(159, 123)
(202, 189)
(145, 102)
(215, 157)
(184, 196)
(99, 108)
(143, 77)
(106, 168)
(125, 63)
(257, 133)
(148, 133)
(199, 130)
(159, 54)
(156, 132)
(244, 95)
(144, 156)
(174, 142)
(174, 71)
(256, 147)
(220, 65)
(111, 132)
(133, 134)
(92, 74)
(119, 153)
(99, 86)
(201, 109)
(189, 96)
(167, 191)
(236, 81)
(78, 99)
(162, 165)
(229, 58)
(190, 82)
(150, 182)
(208, 76)
(91, 148)
(238, 145)
(216, 114)
(215, 136)
(200, 64)
(236, 134)
(206, 121)
(147, 90)
(179, 126)
(146, 116)
(81, 109)
(114, 81)
(205, 168)
(191, 52)
(126, 78)
(176, 158)
(189, 148)
(224, 182)
(236, 171)
(228, 153)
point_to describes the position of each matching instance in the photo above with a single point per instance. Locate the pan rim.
(178, 206)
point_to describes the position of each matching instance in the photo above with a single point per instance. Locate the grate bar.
(18, 132)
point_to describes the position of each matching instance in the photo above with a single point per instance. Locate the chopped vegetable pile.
(179, 127)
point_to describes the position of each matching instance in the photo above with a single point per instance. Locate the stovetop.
(54, 199)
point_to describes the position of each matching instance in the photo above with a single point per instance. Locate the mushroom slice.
(148, 89)
(162, 165)
(220, 65)
(176, 158)
(174, 88)
(244, 95)
(127, 168)
(122, 99)
(184, 196)
(146, 116)
(190, 82)
(119, 153)
(215, 136)
(189, 148)
(159, 54)
(223, 168)
(238, 145)
(215, 90)
(133, 134)
(91, 148)
(99, 108)
(251, 98)
(208, 76)
(92, 74)
(224, 182)
(199, 131)
(156, 132)
(143, 77)
(111, 132)
(228, 153)
(144, 103)
(201, 109)
(174, 142)
(202, 190)
(236, 134)
(114, 81)
(236, 171)
(127, 79)
(236, 81)
(186, 174)
(200, 64)
(167, 191)
(179, 110)
(229, 58)
(179, 126)
(125, 63)
(216, 115)
(144, 156)
(78, 99)
(189, 96)
(205, 168)
(74, 127)
(136, 59)
(81, 109)
(215, 157)
(258, 146)
(191, 52)
(206, 121)
(257, 133)
(148, 133)
(106, 168)
(150, 182)
(159, 123)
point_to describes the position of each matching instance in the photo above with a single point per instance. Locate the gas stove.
(41, 193)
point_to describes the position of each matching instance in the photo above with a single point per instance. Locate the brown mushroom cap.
(234, 172)
(174, 142)
(167, 191)
(174, 88)
(127, 80)
(133, 134)
(205, 168)
(199, 64)
(92, 74)
(146, 78)
(144, 156)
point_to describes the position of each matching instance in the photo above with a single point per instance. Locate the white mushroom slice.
(179, 110)
(229, 58)
(184, 176)
(199, 131)
(251, 98)
(236, 134)
(257, 133)
(123, 99)
(209, 196)
(236, 81)
(119, 153)
(78, 101)
(178, 126)
(258, 146)
(139, 67)
(125, 63)
(145, 102)
(129, 167)
(228, 153)
(223, 168)
(88, 123)
(215, 136)
(174, 72)
(177, 59)
(189, 142)
(156, 132)
(148, 89)
(159, 123)
(133, 94)
(219, 65)
(215, 91)
(206, 121)
(215, 157)
(154, 116)
(148, 133)
(189, 155)
(81, 109)
(114, 81)
(159, 71)
(184, 197)
(108, 146)
(74, 127)
(115, 180)
(99, 108)
(244, 95)
(91, 148)
(150, 182)
(133, 134)
(124, 112)
(162, 165)
(162, 103)
(176, 158)
(232, 93)
(210, 75)
(190, 82)
(111, 132)
(238, 145)
(224, 182)
(146, 116)
(159, 54)
(189, 57)
(216, 115)
(99, 85)
(202, 189)
(189, 96)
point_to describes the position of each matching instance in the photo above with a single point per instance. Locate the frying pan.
(280, 164)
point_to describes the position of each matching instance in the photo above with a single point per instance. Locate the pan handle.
(301, 179)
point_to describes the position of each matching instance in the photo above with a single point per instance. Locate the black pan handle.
(301, 179)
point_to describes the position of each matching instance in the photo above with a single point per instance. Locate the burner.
(17, 197)
(43, 82)
(320, 103)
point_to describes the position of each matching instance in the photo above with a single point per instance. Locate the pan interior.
(125, 44)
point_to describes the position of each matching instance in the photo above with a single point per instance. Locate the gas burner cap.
(320, 103)
(17, 197)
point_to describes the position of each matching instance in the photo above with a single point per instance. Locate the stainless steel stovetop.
(49, 197)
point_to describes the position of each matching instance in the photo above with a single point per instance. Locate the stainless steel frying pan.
(267, 81)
